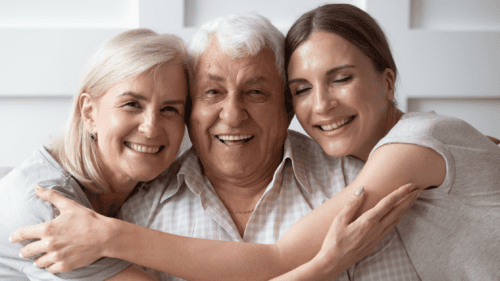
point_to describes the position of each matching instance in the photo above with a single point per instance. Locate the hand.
(74, 239)
(348, 242)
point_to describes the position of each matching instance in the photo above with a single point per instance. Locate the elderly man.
(246, 179)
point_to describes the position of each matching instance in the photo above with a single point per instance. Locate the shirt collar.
(299, 154)
(190, 170)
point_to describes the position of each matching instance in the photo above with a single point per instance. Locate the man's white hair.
(239, 36)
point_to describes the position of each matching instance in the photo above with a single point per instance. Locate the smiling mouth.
(234, 138)
(336, 125)
(145, 149)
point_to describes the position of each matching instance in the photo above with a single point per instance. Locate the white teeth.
(233, 137)
(143, 148)
(336, 125)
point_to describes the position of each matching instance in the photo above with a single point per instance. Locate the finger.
(53, 197)
(387, 203)
(27, 232)
(35, 248)
(398, 212)
(57, 268)
(346, 216)
(45, 260)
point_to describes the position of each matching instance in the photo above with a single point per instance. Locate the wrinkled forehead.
(215, 61)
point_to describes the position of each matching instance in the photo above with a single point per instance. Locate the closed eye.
(343, 79)
(300, 91)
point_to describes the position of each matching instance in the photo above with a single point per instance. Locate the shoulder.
(19, 204)
(429, 126)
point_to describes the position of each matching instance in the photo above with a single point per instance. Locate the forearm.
(314, 270)
(191, 258)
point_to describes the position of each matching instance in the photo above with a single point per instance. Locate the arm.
(300, 244)
(343, 244)
(219, 260)
(389, 167)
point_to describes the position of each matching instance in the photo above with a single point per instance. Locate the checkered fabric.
(182, 201)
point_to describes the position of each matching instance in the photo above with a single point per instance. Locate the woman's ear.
(88, 111)
(389, 80)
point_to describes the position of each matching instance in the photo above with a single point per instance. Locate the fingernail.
(34, 264)
(412, 187)
(21, 255)
(360, 191)
(39, 187)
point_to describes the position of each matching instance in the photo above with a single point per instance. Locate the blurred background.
(447, 52)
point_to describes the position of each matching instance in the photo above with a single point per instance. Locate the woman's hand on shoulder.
(349, 241)
(76, 238)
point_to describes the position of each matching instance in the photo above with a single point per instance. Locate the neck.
(241, 195)
(240, 202)
(106, 204)
(109, 202)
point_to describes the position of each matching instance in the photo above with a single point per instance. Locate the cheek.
(302, 109)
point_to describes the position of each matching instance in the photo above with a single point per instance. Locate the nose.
(233, 111)
(150, 124)
(323, 100)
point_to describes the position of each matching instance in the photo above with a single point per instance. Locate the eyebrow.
(256, 80)
(134, 95)
(333, 70)
(141, 97)
(215, 77)
(252, 80)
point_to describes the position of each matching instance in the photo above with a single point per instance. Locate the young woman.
(341, 75)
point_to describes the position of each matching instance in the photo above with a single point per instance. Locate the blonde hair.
(126, 55)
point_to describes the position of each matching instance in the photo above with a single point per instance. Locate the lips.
(145, 149)
(336, 125)
(234, 138)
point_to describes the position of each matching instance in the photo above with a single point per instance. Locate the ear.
(88, 111)
(389, 81)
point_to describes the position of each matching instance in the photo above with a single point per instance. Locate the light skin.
(234, 101)
(139, 125)
(254, 100)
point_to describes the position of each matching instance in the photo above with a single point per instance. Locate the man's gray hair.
(239, 36)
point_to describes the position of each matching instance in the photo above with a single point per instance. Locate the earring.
(93, 136)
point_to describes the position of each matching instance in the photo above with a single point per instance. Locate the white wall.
(448, 54)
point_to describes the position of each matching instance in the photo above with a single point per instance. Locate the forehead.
(325, 48)
(167, 80)
(215, 64)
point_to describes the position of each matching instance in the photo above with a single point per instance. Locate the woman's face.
(340, 100)
(140, 124)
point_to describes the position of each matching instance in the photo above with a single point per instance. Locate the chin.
(335, 149)
(145, 174)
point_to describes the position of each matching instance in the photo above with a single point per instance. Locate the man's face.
(238, 122)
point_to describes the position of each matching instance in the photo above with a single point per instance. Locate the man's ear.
(88, 111)
(389, 81)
